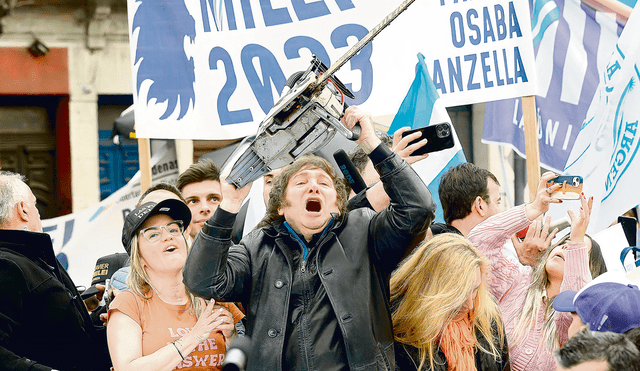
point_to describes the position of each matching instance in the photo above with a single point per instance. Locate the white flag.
(606, 149)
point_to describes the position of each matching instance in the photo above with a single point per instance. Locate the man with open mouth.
(313, 277)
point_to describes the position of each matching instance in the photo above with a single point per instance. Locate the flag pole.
(144, 154)
(531, 144)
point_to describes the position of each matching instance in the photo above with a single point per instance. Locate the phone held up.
(438, 136)
(571, 187)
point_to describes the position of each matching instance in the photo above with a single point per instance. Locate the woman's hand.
(535, 243)
(543, 199)
(580, 222)
(210, 319)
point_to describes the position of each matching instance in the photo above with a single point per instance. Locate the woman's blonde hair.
(432, 285)
(534, 299)
(138, 279)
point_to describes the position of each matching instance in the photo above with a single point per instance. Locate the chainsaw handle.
(355, 132)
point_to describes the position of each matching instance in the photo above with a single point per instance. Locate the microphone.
(237, 354)
(349, 171)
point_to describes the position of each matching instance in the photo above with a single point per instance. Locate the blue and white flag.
(606, 149)
(420, 108)
(545, 13)
(573, 44)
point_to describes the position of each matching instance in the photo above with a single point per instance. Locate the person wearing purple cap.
(608, 303)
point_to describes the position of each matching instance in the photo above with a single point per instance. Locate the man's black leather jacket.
(354, 262)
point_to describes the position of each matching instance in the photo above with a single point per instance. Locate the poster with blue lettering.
(479, 51)
(212, 69)
(573, 43)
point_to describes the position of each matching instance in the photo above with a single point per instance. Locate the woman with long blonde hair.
(443, 316)
(525, 294)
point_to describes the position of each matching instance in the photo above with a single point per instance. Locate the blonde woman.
(525, 294)
(443, 316)
(158, 325)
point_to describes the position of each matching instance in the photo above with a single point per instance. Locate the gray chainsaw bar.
(306, 117)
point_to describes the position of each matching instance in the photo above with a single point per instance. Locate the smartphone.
(438, 137)
(571, 187)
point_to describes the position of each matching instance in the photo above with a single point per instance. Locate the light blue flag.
(545, 12)
(421, 108)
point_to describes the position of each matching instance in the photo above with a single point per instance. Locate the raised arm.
(398, 228)
(215, 267)
(489, 237)
(576, 272)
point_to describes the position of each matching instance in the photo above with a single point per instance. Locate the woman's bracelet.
(179, 352)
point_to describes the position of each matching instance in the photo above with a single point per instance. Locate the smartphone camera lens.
(576, 182)
(442, 131)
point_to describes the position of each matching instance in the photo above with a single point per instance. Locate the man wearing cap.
(44, 325)
(608, 303)
(105, 267)
(313, 278)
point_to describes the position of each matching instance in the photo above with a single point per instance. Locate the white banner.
(207, 70)
(79, 239)
(605, 150)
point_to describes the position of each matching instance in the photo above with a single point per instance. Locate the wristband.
(179, 352)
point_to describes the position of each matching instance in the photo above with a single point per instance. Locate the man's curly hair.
(278, 194)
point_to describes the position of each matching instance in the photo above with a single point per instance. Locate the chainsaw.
(305, 118)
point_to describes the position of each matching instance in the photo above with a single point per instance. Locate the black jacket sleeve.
(209, 261)
(12, 290)
(359, 201)
(401, 226)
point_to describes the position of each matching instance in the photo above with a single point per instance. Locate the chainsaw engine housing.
(303, 121)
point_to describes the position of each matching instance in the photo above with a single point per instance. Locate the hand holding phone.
(570, 189)
(438, 136)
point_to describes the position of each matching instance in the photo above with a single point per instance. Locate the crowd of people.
(328, 280)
